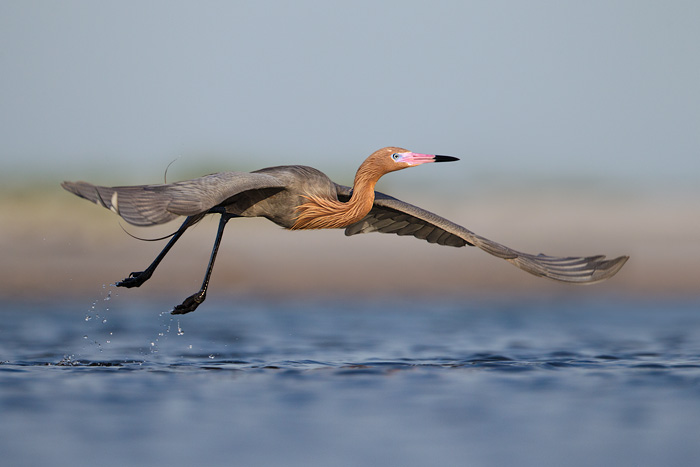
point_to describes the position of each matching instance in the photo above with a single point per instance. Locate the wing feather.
(390, 215)
(145, 205)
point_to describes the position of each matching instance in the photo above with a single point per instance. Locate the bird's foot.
(189, 304)
(135, 279)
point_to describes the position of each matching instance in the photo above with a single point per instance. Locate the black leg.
(135, 279)
(193, 301)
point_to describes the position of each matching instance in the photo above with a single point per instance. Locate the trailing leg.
(135, 279)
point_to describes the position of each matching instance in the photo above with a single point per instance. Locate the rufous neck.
(363, 186)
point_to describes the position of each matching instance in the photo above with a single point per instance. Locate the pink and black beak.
(414, 158)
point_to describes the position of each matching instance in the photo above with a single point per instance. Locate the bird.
(299, 197)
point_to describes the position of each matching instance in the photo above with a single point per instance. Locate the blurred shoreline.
(55, 245)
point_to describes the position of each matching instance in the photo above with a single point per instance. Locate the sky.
(607, 91)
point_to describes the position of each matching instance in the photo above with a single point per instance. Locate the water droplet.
(88, 317)
(190, 346)
(211, 356)
(104, 321)
(85, 336)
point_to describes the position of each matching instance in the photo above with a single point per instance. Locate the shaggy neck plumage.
(327, 213)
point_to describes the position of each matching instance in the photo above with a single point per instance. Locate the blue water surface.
(114, 382)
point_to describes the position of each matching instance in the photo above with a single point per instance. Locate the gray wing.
(390, 215)
(156, 204)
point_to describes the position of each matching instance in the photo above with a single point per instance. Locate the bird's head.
(391, 158)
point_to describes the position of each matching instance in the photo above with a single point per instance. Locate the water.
(490, 383)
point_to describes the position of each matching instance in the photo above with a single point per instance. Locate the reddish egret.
(299, 197)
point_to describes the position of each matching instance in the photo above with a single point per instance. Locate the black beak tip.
(445, 159)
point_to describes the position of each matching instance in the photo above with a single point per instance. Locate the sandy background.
(55, 245)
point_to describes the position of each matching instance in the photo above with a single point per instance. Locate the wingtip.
(608, 268)
(619, 262)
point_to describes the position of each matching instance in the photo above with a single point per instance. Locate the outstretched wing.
(156, 204)
(390, 215)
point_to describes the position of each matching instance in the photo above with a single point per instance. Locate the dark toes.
(135, 279)
(189, 304)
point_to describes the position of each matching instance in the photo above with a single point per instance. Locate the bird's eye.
(395, 156)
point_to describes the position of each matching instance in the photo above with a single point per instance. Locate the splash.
(96, 336)
(170, 325)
